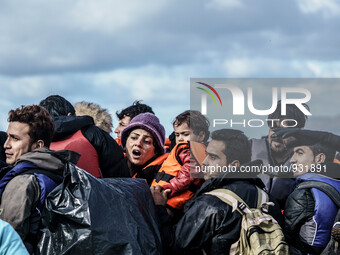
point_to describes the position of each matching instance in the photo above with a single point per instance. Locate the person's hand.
(159, 195)
(307, 137)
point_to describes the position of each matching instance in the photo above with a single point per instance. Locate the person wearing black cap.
(143, 141)
(272, 152)
(309, 212)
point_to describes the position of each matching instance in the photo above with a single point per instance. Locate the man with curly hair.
(33, 171)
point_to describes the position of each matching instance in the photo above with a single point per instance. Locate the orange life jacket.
(77, 142)
(151, 169)
(118, 141)
(172, 165)
(167, 144)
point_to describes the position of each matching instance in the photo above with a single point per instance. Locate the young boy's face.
(183, 133)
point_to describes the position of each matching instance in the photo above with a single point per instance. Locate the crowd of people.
(197, 212)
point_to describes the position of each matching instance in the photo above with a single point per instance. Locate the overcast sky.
(114, 52)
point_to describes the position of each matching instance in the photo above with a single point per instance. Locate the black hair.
(195, 120)
(133, 110)
(292, 112)
(237, 145)
(322, 148)
(57, 106)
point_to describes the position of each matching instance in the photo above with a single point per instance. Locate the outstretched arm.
(307, 137)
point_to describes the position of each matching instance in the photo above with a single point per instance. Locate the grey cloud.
(40, 37)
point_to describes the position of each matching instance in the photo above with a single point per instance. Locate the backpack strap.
(263, 200)
(328, 189)
(231, 199)
(262, 197)
(238, 204)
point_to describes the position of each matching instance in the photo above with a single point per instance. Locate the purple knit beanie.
(148, 122)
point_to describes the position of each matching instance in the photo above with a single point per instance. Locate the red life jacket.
(172, 166)
(77, 142)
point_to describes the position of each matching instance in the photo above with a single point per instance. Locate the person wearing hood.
(101, 156)
(143, 141)
(309, 212)
(32, 172)
(209, 224)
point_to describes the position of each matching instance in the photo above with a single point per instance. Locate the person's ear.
(69, 114)
(320, 158)
(201, 137)
(235, 163)
(38, 144)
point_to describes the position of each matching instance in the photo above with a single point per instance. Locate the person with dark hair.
(126, 115)
(294, 117)
(58, 106)
(273, 152)
(234, 142)
(191, 125)
(101, 156)
(143, 142)
(33, 170)
(309, 212)
(191, 131)
(209, 225)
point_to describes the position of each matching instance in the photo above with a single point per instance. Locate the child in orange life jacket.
(191, 131)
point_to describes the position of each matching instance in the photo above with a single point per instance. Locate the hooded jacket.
(209, 224)
(23, 195)
(310, 214)
(100, 154)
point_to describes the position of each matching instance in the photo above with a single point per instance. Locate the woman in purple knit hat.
(143, 141)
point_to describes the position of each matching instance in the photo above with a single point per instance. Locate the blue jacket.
(310, 214)
(324, 212)
(10, 241)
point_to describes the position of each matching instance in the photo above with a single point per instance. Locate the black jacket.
(110, 154)
(3, 138)
(209, 223)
